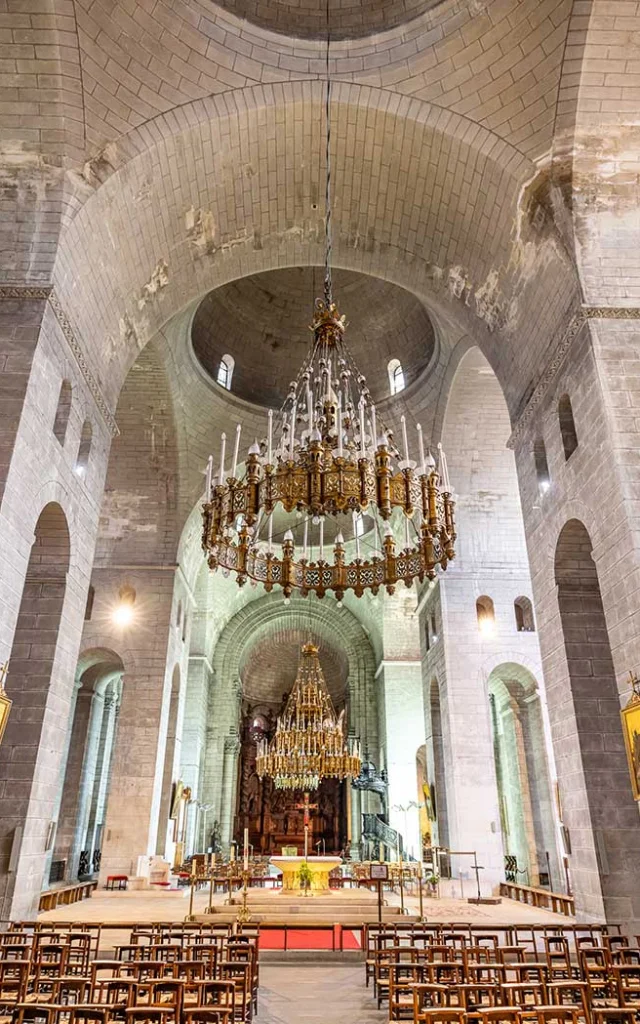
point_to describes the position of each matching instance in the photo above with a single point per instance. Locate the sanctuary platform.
(340, 906)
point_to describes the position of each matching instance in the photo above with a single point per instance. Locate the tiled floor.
(316, 994)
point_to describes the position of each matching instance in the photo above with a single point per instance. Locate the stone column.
(518, 783)
(67, 814)
(229, 786)
(87, 781)
(401, 684)
(356, 822)
(102, 774)
(194, 741)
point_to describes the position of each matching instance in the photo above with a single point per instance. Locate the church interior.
(319, 522)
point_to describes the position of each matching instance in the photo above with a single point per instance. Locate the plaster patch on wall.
(98, 168)
(124, 513)
(201, 230)
(159, 279)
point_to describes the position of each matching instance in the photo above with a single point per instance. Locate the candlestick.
(421, 447)
(362, 451)
(209, 477)
(246, 850)
(374, 428)
(270, 438)
(293, 430)
(355, 533)
(236, 450)
(403, 420)
(222, 454)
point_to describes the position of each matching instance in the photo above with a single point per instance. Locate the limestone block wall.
(39, 472)
(585, 602)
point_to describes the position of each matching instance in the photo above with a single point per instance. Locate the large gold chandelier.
(309, 742)
(324, 457)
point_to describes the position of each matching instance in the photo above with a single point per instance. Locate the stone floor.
(315, 994)
(138, 907)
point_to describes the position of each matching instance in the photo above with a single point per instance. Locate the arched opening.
(179, 614)
(87, 773)
(523, 610)
(84, 448)
(62, 411)
(225, 372)
(599, 811)
(522, 773)
(485, 614)
(169, 842)
(396, 376)
(567, 426)
(542, 466)
(32, 672)
(88, 608)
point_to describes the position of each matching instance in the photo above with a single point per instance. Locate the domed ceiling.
(307, 19)
(269, 666)
(263, 321)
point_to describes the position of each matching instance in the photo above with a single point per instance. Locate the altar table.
(320, 868)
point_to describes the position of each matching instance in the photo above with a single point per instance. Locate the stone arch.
(599, 810)
(37, 643)
(209, 246)
(527, 813)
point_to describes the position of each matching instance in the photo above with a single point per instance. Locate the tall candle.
(246, 849)
(421, 445)
(362, 434)
(403, 420)
(270, 531)
(222, 454)
(236, 449)
(322, 537)
(270, 438)
(293, 429)
(340, 425)
(356, 534)
(209, 476)
(306, 537)
(374, 428)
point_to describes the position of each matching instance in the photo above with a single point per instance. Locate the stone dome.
(348, 19)
(262, 322)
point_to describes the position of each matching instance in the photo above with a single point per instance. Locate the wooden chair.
(428, 997)
(89, 1015)
(14, 977)
(117, 993)
(402, 978)
(557, 1015)
(148, 1015)
(501, 1015)
(34, 1013)
(69, 991)
(441, 1015)
(571, 993)
(613, 1015)
(240, 974)
(524, 994)
(212, 995)
(205, 1015)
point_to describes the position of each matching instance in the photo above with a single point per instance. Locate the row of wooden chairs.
(514, 1015)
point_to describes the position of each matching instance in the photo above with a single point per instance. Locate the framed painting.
(631, 729)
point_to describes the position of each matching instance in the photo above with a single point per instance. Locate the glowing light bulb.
(123, 614)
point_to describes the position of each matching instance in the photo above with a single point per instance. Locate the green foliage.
(305, 875)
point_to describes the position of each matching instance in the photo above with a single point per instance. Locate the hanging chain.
(328, 285)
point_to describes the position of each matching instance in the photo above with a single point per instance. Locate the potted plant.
(304, 877)
(432, 880)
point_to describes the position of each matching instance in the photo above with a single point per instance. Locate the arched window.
(524, 615)
(486, 614)
(185, 623)
(84, 449)
(225, 372)
(88, 611)
(427, 635)
(542, 466)
(434, 628)
(62, 412)
(396, 376)
(179, 615)
(567, 426)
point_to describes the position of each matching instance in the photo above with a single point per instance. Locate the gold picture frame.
(5, 702)
(630, 715)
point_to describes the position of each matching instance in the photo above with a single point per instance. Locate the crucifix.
(306, 807)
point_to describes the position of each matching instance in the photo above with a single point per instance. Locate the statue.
(371, 781)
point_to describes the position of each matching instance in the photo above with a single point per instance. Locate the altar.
(319, 867)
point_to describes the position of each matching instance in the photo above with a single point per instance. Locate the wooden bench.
(65, 894)
(558, 902)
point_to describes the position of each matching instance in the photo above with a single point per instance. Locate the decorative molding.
(91, 382)
(11, 292)
(611, 312)
(24, 291)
